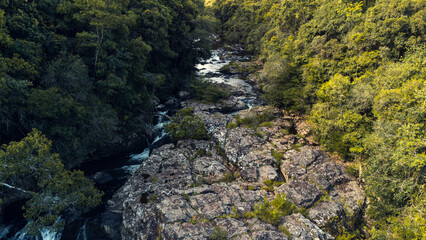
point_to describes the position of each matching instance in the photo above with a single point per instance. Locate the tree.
(186, 125)
(29, 167)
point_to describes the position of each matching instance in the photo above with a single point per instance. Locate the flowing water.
(115, 171)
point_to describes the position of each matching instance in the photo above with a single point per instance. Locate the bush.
(218, 234)
(254, 121)
(227, 178)
(209, 92)
(231, 125)
(186, 125)
(277, 155)
(272, 211)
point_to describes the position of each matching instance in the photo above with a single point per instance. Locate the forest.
(357, 70)
(78, 76)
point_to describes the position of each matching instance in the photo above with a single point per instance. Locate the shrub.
(231, 125)
(218, 234)
(209, 92)
(266, 124)
(284, 230)
(277, 155)
(229, 177)
(254, 121)
(186, 125)
(272, 211)
(353, 170)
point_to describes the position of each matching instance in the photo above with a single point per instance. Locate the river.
(111, 173)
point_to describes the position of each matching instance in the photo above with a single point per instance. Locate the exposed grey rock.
(232, 226)
(249, 173)
(210, 169)
(269, 235)
(267, 172)
(102, 177)
(214, 120)
(308, 156)
(219, 135)
(303, 193)
(239, 143)
(171, 102)
(187, 231)
(175, 208)
(303, 229)
(177, 192)
(160, 107)
(327, 214)
(232, 104)
(183, 94)
(303, 128)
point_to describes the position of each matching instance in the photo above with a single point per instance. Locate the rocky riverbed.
(212, 189)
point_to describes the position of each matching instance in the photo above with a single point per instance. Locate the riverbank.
(226, 186)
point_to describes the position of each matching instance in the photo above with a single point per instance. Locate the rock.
(353, 199)
(249, 173)
(232, 104)
(188, 231)
(269, 235)
(308, 156)
(303, 193)
(267, 172)
(183, 94)
(313, 165)
(102, 177)
(210, 169)
(172, 102)
(155, 100)
(160, 107)
(239, 143)
(183, 190)
(175, 208)
(328, 215)
(303, 229)
(232, 226)
(303, 128)
(214, 120)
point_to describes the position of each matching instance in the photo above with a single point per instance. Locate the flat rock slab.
(193, 189)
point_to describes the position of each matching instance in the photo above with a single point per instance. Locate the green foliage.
(28, 166)
(271, 184)
(278, 156)
(186, 125)
(208, 92)
(227, 178)
(266, 124)
(231, 125)
(218, 234)
(84, 72)
(346, 236)
(357, 68)
(256, 120)
(272, 211)
(284, 230)
(13, 94)
(353, 170)
(409, 225)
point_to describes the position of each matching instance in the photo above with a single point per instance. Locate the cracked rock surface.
(178, 193)
(195, 189)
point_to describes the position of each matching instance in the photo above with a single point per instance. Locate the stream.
(111, 173)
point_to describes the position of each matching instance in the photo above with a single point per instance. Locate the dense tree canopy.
(29, 167)
(84, 73)
(357, 69)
